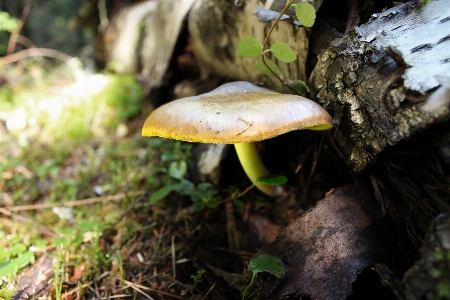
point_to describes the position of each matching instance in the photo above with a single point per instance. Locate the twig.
(72, 203)
(232, 233)
(15, 35)
(231, 198)
(40, 52)
(174, 269)
(313, 167)
(66, 294)
(209, 291)
(23, 219)
(135, 285)
(238, 252)
(266, 40)
(136, 288)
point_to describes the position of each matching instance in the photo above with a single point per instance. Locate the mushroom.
(238, 113)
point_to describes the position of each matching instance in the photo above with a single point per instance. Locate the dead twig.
(209, 291)
(313, 167)
(15, 35)
(87, 201)
(139, 288)
(35, 52)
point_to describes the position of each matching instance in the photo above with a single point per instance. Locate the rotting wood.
(122, 36)
(379, 80)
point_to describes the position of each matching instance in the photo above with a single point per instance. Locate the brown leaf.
(325, 249)
(36, 281)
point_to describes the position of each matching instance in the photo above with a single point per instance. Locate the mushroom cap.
(235, 112)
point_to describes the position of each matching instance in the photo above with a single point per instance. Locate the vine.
(251, 47)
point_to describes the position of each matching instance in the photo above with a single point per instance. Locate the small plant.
(15, 256)
(197, 277)
(58, 266)
(264, 263)
(5, 294)
(204, 195)
(251, 47)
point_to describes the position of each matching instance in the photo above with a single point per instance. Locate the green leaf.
(18, 249)
(168, 156)
(204, 192)
(300, 83)
(260, 66)
(272, 179)
(177, 169)
(283, 52)
(4, 254)
(7, 22)
(164, 191)
(306, 14)
(239, 203)
(214, 202)
(267, 263)
(157, 169)
(59, 242)
(198, 206)
(249, 47)
(16, 264)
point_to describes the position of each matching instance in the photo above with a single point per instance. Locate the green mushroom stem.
(254, 167)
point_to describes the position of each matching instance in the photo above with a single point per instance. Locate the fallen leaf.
(327, 247)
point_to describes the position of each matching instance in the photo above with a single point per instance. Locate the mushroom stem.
(254, 167)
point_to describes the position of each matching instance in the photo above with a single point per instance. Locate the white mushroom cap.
(235, 112)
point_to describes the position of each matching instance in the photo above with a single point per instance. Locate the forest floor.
(91, 209)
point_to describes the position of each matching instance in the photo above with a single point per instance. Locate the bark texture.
(386, 79)
(122, 37)
(160, 37)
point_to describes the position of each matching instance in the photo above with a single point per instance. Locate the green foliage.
(305, 13)
(251, 47)
(198, 277)
(15, 254)
(239, 203)
(79, 108)
(283, 52)
(272, 180)
(58, 267)
(7, 25)
(300, 86)
(15, 264)
(123, 94)
(204, 195)
(272, 65)
(84, 167)
(177, 169)
(264, 263)
(424, 2)
(165, 191)
(5, 294)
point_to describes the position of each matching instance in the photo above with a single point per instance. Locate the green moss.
(123, 94)
(5, 294)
